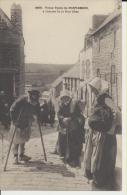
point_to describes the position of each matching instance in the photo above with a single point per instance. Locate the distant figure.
(4, 110)
(23, 112)
(44, 113)
(51, 110)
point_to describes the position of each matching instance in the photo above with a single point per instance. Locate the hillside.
(42, 75)
(47, 68)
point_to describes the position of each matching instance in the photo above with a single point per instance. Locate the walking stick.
(9, 149)
(42, 142)
(11, 143)
(67, 149)
(2, 147)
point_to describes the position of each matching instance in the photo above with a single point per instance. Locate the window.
(114, 39)
(113, 74)
(75, 84)
(98, 72)
(3, 24)
(88, 43)
(95, 39)
(87, 68)
(98, 45)
(81, 93)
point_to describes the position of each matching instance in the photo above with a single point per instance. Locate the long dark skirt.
(100, 157)
(52, 119)
(74, 149)
(70, 147)
(62, 144)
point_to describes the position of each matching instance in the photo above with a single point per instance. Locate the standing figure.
(71, 130)
(44, 113)
(4, 110)
(23, 112)
(51, 110)
(101, 146)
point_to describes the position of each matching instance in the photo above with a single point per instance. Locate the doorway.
(6, 84)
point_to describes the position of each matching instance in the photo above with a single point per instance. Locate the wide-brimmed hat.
(34, 92)
(99, 85)
(65, 93)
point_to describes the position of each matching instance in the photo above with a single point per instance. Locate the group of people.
(48, 113)
(97, 131)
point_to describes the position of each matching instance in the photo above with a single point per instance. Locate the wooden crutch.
(2, 140)
(5, 166)
(42, 142)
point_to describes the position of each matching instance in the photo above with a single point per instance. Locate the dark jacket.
(22, 112)
(102, 117)
(71, 111)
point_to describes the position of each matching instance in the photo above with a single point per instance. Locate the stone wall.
(12, 53)
(107, 56)
(107, 47)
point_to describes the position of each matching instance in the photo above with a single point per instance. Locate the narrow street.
(40, 175)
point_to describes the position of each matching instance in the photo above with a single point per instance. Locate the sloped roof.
(6, 17)
(9, 23)
(57, 81)
(90, 31)
(112, 16)
(74, 72)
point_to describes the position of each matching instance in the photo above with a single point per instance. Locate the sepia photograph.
(61, 95)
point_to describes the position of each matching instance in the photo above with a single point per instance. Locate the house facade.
(12, 68)
(101, 55)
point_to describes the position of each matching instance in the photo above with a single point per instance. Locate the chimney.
(16, 16)
(118, 4)
(98, 20)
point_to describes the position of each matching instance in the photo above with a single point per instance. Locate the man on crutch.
(28, 108)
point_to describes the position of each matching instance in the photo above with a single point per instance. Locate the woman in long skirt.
(71, 131)
(101, 145)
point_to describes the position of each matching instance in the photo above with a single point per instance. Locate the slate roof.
(111, 17)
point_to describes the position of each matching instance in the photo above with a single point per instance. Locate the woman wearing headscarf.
(101, 146)
(71, 130)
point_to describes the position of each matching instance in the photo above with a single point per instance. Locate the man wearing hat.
(22, 114)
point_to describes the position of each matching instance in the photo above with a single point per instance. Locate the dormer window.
(3, 24)
(88, 43)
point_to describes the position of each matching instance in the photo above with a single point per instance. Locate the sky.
(56, 38)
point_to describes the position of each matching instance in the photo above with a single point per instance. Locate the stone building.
(12, 66)
(101, 55)
(69, 80)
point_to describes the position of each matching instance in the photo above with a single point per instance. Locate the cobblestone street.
(38, 175)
